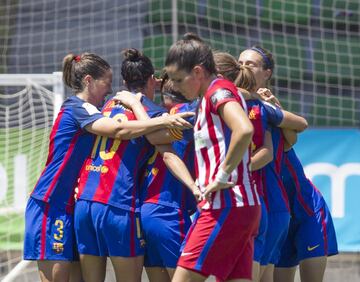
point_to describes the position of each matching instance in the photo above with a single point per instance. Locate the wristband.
(222, 176)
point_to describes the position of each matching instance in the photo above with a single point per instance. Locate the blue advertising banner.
(331, 159)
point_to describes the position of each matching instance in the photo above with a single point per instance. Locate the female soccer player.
(107, 221)
(225, 228)
(262, 64)
(167, 203)
(262, 148)
(262, 117)
(49, 214)
(311, 238)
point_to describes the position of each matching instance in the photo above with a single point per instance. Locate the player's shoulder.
(75, 105)
(185, 107)
(221, 89)
(225, 84)
(150, 105)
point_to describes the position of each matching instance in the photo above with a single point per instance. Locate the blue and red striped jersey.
(275, 196)
(304, 197)
(258, 117)
(111, 175)
(69, 146)
(160, 186)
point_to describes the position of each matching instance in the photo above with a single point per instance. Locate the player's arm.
(289, 120)
(293, 122)
(124, 129)
(241, 134)
(159, 137)
(264, 155)
(178, 168)
(290, 138)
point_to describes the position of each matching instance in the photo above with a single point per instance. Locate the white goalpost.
(29, 103)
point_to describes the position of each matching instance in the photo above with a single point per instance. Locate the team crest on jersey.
(123, 107)
(254, 112)
(109, 106)
(154, 171)
(221, 94)
(58, 247)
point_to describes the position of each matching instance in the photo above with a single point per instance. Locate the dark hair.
(267, 57)
(136, 69)
(76, 67)
(230, 69)
(189, 52)
(192, 36)
(167, 89)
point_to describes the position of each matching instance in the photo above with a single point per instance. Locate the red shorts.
(221, 243)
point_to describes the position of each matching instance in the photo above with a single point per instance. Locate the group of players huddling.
(206, 184)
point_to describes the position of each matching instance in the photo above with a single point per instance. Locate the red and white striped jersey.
(212, 139)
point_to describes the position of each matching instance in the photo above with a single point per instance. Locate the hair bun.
(191, 36)
(132, 54)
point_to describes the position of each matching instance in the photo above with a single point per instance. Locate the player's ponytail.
(230, 69)
(136, 69)
(246, 79)
(226, 65)
(76, 67)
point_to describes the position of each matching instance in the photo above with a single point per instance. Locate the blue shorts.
(104, 230)
(277, 229)
(259, 241)
(164, 231)
(309, 238)
(49, 232)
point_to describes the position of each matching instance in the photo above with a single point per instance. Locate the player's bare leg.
(262, 270)
(313, 269)
(75, 272)
(171, 272)
(268, 274)
(186, 275)
(285, 274)
(93, 268)
(255, 271)
(128, 269)
(54, 270)
(158, 274)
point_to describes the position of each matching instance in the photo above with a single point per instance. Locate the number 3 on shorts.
(60, 230)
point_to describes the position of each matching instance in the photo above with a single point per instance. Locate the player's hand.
(215, 186)
(197, 193)
(127, 98)
(177, 121)
(266, 95)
